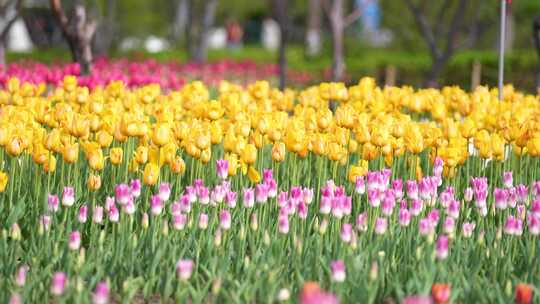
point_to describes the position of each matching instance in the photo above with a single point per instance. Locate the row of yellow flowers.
(368, 120)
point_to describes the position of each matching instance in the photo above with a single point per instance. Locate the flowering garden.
(117, 191)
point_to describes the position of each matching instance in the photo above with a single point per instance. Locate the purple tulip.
(222, 168)
(68, 196)
(338, 271)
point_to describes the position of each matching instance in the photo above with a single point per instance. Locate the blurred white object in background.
(18, 37)
(155, 44)
(130, 43)
(271, 34)
(217, 38)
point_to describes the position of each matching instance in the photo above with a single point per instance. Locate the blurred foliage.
(407, 36)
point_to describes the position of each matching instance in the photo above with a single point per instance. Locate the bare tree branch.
(9, 24)
(424, 27)
(352, 17)
(440, 16)
(457, 19)
(326, 7)
(6, 5)
(60, 15)
(78, 31)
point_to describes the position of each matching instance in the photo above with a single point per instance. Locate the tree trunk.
(3, 52)
(338, 63)
(313, 33)
(337, 26)
(209, 14)
(104, 39)
(190, 29)
(84, 56)
(432, 77)
(476, 75)
(283, 58)
(78, 31)
(510, 30)
(181, 19)
(280, 12)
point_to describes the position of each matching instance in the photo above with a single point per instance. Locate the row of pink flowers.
(169, 75)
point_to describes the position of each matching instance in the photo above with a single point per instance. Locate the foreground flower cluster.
(117, 194)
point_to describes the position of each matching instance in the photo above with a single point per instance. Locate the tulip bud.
(145, 222)
(323, 227)
(242, 233)
(266, 238)
(283, 295)
(102, 236)
(94, 182)
(81, 258)
(15, 232)
(374, 271)
(217, 238)
(216, 286)
(254, 223)
(165, 229)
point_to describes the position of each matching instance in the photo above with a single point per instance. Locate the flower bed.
(251, 194)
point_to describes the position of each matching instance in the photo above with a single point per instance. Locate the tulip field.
(121, 192)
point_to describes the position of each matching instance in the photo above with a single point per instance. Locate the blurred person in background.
(370, 15)
(235, 34)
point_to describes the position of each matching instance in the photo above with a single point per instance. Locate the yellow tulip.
(133, 166)
(357, 171)
(216, 133)
(14, 146)
(141, 154)
(151, 174)
(116, 155)
(95, 159)
(533, 146)
(104, 139)
(3, 181)
(319, 145)
(414, 141)
(50, 165)
(468, 128)
(40, 154)
(4, 135)
(249, 154)
(206, 154)
(80, 127)
(161, 135)
(94, 182)
(335, 151)
(369, 152)
(253, 175)
(278, 152)
(233, 163)
(178, 165)
(70, 153)
(192, 150)
(497, 146)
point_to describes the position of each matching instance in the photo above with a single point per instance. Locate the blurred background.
(399, 42)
